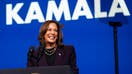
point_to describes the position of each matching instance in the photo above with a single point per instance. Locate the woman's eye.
(56, 30)
(49, 29)
(52, 30)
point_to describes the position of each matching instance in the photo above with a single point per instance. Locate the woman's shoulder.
(67, 46)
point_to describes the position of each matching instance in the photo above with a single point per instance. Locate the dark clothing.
(64, 55)
(50, 59)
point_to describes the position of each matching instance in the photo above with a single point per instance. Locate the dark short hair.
(43, 30)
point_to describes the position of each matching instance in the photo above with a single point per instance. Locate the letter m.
(63, 8)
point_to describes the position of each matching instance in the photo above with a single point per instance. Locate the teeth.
(51, 37)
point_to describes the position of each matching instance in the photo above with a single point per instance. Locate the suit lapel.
(43, 62)
(59, 57)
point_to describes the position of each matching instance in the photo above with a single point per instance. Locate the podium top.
(39, 70)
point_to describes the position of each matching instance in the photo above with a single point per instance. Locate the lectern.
(39, 70)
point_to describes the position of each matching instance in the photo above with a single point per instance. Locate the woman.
(52, 51)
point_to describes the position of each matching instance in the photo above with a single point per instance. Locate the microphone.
(31, 52)
(40, 53)
(31, 56)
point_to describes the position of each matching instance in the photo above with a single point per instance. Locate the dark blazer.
(65, 55)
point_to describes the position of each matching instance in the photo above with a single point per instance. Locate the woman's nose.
(52, 31)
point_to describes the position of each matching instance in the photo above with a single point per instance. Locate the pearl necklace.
(50, 51)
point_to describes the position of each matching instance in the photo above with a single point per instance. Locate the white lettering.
(34, 12)
(13, 14)
(63, 8)
(97, 8)
(82, 9)
(123, 8)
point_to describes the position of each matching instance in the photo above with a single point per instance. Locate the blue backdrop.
(92, 38)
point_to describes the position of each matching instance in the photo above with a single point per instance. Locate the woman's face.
(51, 33)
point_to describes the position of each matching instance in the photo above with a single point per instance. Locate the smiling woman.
(52, 51)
